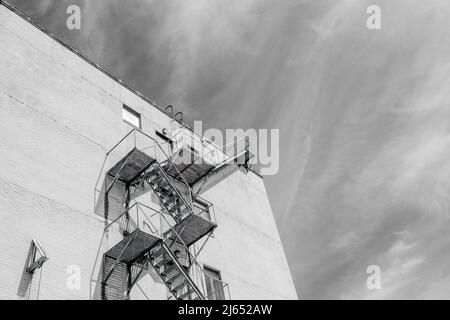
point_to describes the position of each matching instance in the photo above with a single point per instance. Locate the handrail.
(120, 141)
(195, 135)
(134, 130)
(168, 158)
(180, 267)
(197, 266)
(224, 149)
(181, 117)
(191, 256)
(175, 188)
(171, 108)
(162, 217)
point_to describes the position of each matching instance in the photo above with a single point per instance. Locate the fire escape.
(161, 238)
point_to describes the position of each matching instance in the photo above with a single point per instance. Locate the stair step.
(182, 213)
(180, 286)
(156, 254)
(156, 183)
(174, 207)
(164, 192)
(161, 263)
(175, 277)
(159, 179)
(169, 200)
(152, 178)
(161, 182)
(168, 270)
(184, 295)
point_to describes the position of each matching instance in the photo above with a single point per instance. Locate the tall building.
(106, 195)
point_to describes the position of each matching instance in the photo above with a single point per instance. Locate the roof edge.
(132, 89)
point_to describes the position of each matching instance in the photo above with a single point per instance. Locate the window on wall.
(214, 286)
(131, 117)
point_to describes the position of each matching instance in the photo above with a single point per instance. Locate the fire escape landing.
(164, 246)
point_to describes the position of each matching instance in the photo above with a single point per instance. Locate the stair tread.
(169, 270)
(179, 286)
(176, 276)
(190, 291)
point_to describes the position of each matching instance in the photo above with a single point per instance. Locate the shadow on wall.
(27, 277)
(109, 204)
(110, 197)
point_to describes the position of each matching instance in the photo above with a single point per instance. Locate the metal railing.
(155, 150)
(214, 154)
(143, 217)
(153, 221)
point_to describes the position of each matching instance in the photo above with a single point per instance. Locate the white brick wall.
(59, 116)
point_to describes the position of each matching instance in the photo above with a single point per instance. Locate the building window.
(131, 117)
(214, 285)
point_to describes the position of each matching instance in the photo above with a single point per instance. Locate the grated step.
(169, 200)
(182, 213)
(180, 286)
(161, 263)
(184, 295)
(152, 178)
(175, 277)
(168, 270)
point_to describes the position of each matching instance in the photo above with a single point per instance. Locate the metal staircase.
(197, 158)
(157, 179)
(166, 247)
(174, 274)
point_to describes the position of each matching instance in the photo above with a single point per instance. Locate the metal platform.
(133, 246)
(131, 166)
(193, 228)
(190, 166)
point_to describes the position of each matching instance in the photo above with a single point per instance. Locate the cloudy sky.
(364, 118)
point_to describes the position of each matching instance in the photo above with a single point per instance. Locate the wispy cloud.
(365, 176)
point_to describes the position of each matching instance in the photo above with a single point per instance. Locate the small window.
(131, 117)
(214, 285)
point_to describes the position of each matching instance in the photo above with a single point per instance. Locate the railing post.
(235, 149)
